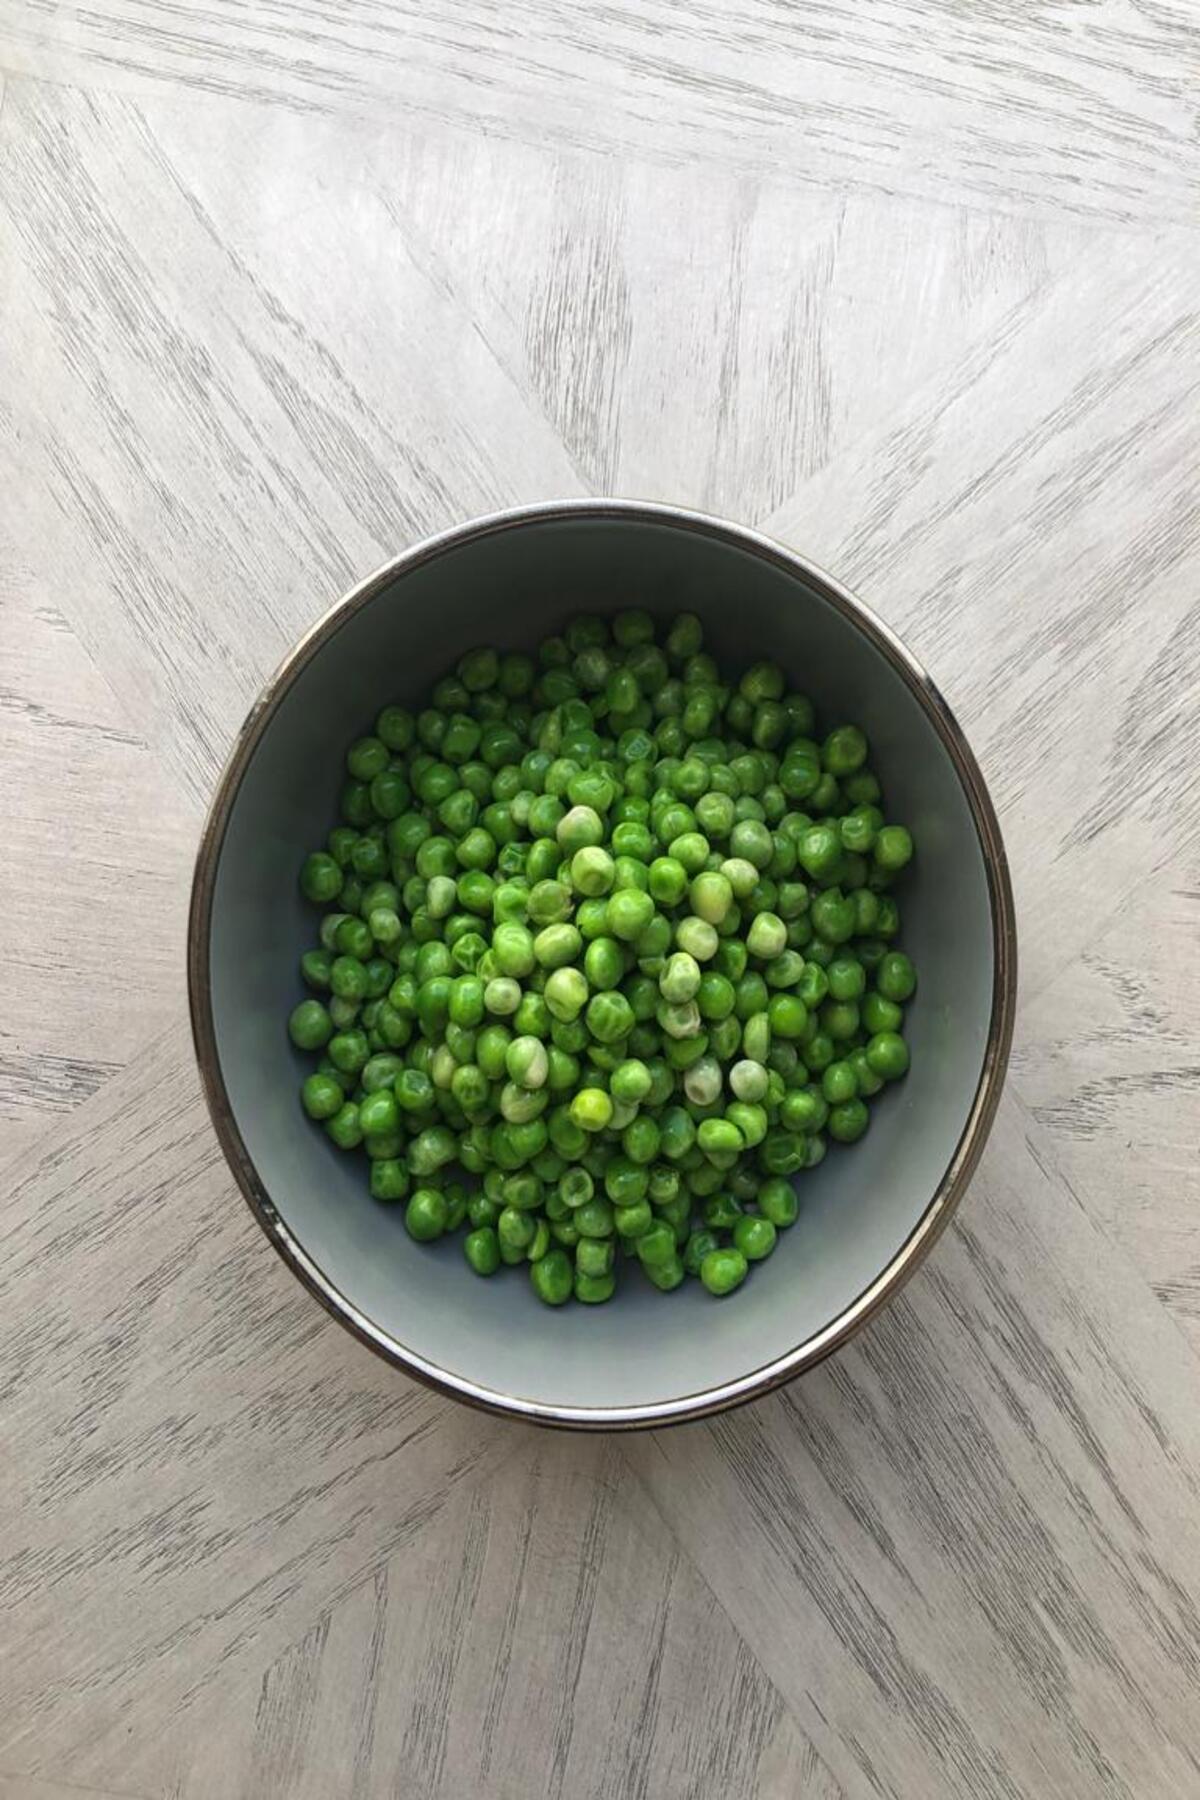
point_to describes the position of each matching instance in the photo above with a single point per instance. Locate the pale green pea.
(749, 1080)
(441, 896)
(697, 937)
(679, 979)
(502, 996)
(520, 1104)
(681, 1021)
(741, 875)
(579, 828)
(702, 1082)
(592, 871)
(565, 993)
(527, 1062)
(557, 945)
(711, 896)
(767, 936)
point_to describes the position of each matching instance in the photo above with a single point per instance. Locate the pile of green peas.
(612, 936)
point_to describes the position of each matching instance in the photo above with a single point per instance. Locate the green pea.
(609, 1017)
(320, 878)
(719, 1136)
(578, 828)
(322, 1096)
(566, 993)
(721, 1271)
(311, 1028)
(513, 949)
(425, 1215)
(552, 1277)
(754, 1237)
(631, 1082)
(895, 977)
(887, 1054)
(893, 848)
(679, 979)
(778, 1205)
(591, 1109)
(630, 912)
(593, 1290)
(502, 996)
(481, 1248)
(848, 1121)
(697, 937)
(879, 1014)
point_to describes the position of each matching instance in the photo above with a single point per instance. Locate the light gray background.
(282, 288)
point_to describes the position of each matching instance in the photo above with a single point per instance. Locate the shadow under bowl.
(867, 1215)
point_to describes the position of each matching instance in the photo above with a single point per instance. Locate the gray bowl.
(868, 1216)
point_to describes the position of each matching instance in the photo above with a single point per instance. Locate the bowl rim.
(966, 1153)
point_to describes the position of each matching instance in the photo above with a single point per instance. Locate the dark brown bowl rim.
(974, 1135)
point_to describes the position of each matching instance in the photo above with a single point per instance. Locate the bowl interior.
(511, 587)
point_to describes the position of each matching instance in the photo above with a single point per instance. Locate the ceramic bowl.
(868, 1215)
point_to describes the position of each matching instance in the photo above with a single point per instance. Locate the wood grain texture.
(194, 1451)
(1109, 1062)
(1052, 108)
(967, 1550)
(221, 471)
(1031, 527)
(32, 1787)
(287, 287)
(542, 1636)
(71, 1020)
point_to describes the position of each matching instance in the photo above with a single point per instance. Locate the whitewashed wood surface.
(284, 286)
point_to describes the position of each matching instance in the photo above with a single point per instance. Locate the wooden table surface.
(286, 284)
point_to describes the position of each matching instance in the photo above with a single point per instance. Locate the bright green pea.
(320, 878)
(777, 1203)
(591, 1109)
(513, 949)
(322, 1096)
(848, 1121)
(552, 1277)
(311, 1028)
(481, 1248)
(425, 1215)
(566, 993)
(718, 1137)
(556, 945)
(609, 1017)
(888, 1056)
(893, 848)
(629, 913)
(895, 977)
(879, 1014)
(630, 1082)
(594, 1219)
(721, 1271)
(754, 1237)
(668, 881)
(787, 1016)
(593, 1290)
